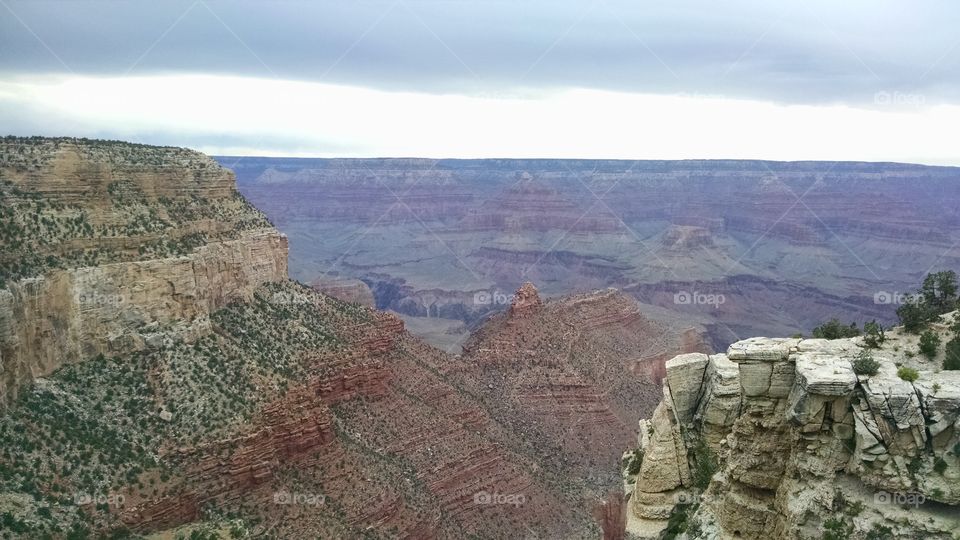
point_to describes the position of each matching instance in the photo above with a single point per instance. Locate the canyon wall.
(110, 248)
(780, 438)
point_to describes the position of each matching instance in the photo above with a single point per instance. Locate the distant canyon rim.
(734, 248)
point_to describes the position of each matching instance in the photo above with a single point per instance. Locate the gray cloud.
(795, 52)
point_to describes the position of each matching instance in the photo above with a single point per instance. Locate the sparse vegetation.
(873, 334)
(937, 295)
(908, 374)
(951, 358)
(865, 364)
(634, 462)
(834, 329)
(42, 233)
(929, 343)
(704, 465)
(94, 427)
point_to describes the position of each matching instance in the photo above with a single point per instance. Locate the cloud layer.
(886, 58)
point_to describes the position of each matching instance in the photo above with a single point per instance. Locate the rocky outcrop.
(568, 372)
(71, 315)
(780, 438)
(136, 245)
(526, 301)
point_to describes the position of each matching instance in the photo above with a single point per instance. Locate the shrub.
(940, 465)
(929, 343)
(834, 329)
(837, 529)
(880, 532)
(873, 334)
(913, 316)
(635, 462)
(939, 292)
(864, 364)
(951, 359)
(705, 463)
(908, 374)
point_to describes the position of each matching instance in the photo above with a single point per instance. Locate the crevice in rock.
(928, 443)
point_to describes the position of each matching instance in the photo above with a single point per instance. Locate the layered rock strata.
(110, 248)
(780, 438)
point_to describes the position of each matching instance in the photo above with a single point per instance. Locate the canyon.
(741, 248)
(162, 376)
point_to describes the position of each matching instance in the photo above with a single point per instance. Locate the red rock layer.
(294, 430)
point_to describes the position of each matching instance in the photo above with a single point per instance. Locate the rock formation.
(110, 248)
(780, 438)
(569, 373)
(526, 301)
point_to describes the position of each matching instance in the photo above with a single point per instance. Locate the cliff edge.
(109, 247)
(780, 438)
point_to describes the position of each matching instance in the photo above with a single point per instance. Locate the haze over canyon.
(731, 248)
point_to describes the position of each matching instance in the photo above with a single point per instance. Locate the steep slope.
(570, 375)
(780, 438)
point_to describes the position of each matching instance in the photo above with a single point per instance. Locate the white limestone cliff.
(801, 444)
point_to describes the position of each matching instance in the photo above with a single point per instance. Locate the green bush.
(880, 532)
(929, 343)
(913, 316)
(705, 465)
(837, 529)
(873, 334)
(951, 360)
(939, 291)
(908, 374)
(834, 329)
(864, 364)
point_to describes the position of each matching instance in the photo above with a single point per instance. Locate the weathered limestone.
(71, 315)
(720, 405)
(685, 378)
(796, 431)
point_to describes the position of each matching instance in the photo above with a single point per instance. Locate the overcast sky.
(812, 79)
